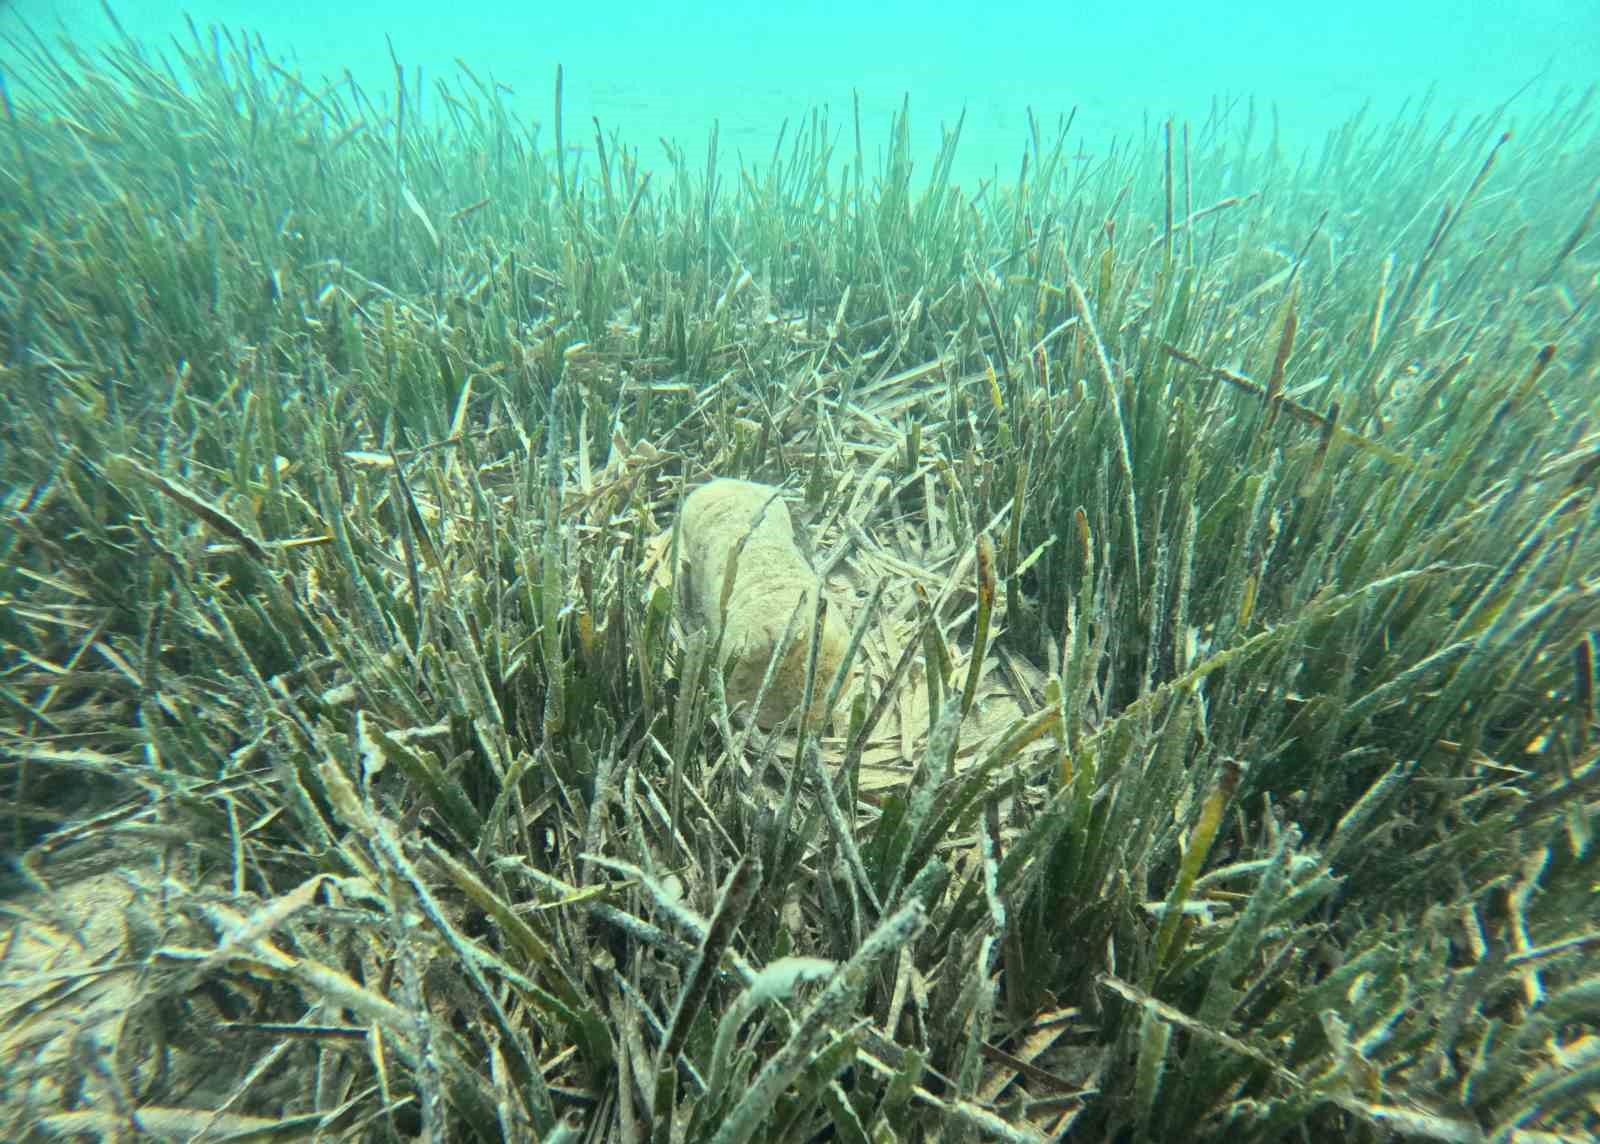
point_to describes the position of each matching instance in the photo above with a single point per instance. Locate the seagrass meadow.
(1214, 528)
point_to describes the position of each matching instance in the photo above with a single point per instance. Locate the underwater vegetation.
(1199, 579)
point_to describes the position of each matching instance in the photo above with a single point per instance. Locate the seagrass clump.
(1178, 720)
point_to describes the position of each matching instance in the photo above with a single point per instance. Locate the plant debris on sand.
(1213, 755)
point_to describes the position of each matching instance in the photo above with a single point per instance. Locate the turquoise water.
(657, 70)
